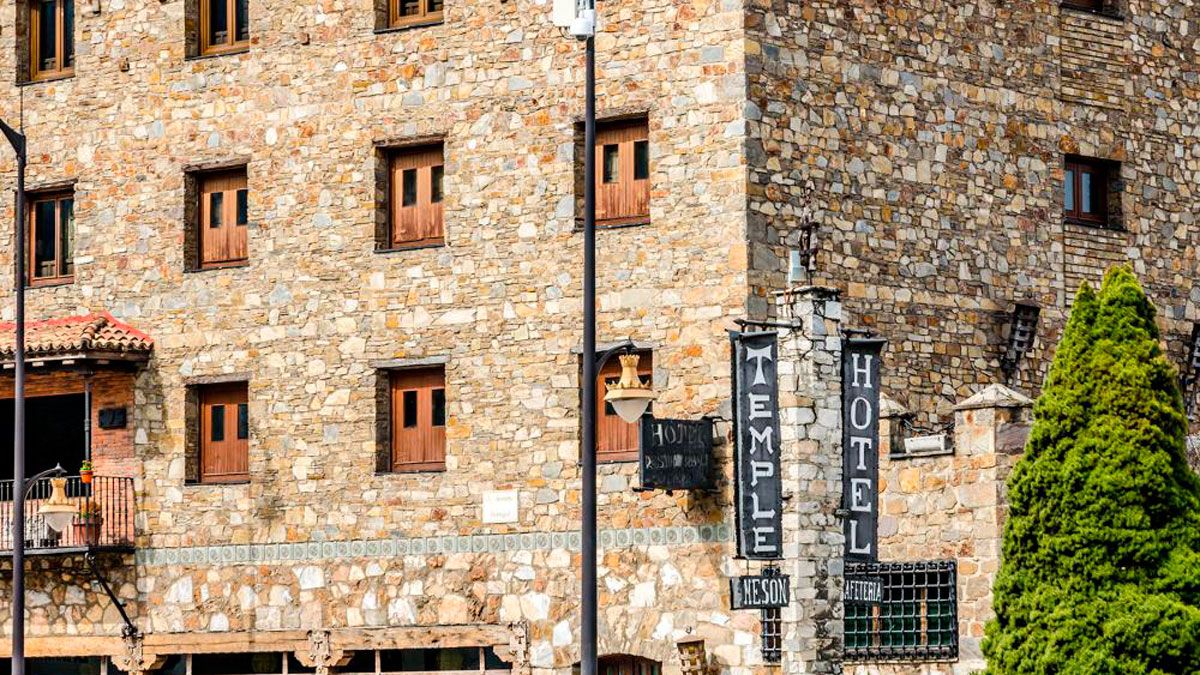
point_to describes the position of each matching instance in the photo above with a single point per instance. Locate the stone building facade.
(915, 149)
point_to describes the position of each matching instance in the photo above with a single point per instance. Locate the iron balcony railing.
(108, 498)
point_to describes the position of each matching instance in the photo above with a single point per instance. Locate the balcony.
(111, 529)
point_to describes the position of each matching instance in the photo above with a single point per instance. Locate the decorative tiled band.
(475, 543)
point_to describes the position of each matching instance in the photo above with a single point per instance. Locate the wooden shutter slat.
(421, 222)
(627, 199)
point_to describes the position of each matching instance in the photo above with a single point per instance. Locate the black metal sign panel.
(676, 454)
(757, 482)
(761, 592)
(860, 445)
(863, 590)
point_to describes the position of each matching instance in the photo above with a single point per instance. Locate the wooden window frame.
(60, 276)
(426, 218)
(424, 17)
(616, 439)
(235, 395)
(423, 383)
(625, 200)
(1073, 170)
(62, 41)
(232, 45)
(236, 233)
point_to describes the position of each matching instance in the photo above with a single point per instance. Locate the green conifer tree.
(1100, 570)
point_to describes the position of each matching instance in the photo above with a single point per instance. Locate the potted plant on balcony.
(87, 523)
(85, 472)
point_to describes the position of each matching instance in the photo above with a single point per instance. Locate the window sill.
(217, 483)
(413, 247)
(44, 80)
(218, 266)
(615, 224)
(1093, 224)
(216, 55)
(1114, 16)
(408, 26)
(50, 283)
(617, 457)
(413, 470)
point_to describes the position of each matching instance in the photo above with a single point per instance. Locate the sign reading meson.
(759, 489)
(860, 445)
(761, 592)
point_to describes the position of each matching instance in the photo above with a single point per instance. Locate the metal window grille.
(772, 635)
(917, 619)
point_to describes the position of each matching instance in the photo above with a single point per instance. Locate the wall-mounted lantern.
(629, 396)
(1022, 331)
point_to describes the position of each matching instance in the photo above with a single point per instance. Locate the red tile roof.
(83, 335)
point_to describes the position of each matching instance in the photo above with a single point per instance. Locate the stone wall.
(928, 138)
(950, 506)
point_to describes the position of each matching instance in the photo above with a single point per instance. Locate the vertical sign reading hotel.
(759, 489)
(860, 445)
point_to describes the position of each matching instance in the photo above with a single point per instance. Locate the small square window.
(623, 173)
(51, 39)
(415, 211)
(51, 237)
(223, 214)
(1089, 197)
(224, 26)
(418, 419)
(224, 430)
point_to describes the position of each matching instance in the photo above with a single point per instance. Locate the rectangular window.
(1085, 191)
(51, 235)
(623, 182)
(616, 439)
(916, 620)
(415, 208)
(51, 39)
(224, 434)
(224, 26)
(224, 217)
(1089, 5)
(418, 419)
(413, 12)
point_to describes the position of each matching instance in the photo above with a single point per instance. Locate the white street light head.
(629, 397)
(57, 511)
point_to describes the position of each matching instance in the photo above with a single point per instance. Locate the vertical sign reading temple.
(860, 445)
(758, 485)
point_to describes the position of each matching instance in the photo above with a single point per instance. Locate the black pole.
(18, 525)
(588, 656)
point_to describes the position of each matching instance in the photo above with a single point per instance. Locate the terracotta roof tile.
(84, 334)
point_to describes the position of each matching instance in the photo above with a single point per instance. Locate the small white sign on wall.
(501, 506)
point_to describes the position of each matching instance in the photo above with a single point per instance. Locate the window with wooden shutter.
(418, 419)
(224, 433)
(224, 217)
(1085, 191)
(616, 439)
(51, 238)
(51, 39)
(414, 12)
(416, 194)
(623, 172)
(224, 26)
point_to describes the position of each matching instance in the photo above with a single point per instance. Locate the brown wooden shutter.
(419, 420)
(621, 196)
(616, 439)
(416, 212)
(224, 434)
(223, 225)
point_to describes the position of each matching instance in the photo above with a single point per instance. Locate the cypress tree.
(1100, 570)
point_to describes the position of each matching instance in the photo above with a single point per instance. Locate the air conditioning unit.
(925, 445)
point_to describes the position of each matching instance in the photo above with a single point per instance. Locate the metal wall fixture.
(1022, 331)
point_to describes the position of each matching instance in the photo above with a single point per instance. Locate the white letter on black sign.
(863, 369)
(762, 543)
(760, 470)
(758, 406)
(758, 356)
(854, 547)
(763, 437)
(862, 444)
(856, 411)
(759, 513)
(860, 490)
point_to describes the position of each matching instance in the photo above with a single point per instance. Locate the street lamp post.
(17, 140)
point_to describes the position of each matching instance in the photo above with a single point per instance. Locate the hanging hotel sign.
(860, 445)
(768, 591)
(675, 454)
(757, 484)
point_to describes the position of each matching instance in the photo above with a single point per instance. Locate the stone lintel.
(396, 364)
(810, 292)
(995, 396)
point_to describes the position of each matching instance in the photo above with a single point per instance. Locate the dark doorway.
(53, 434)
